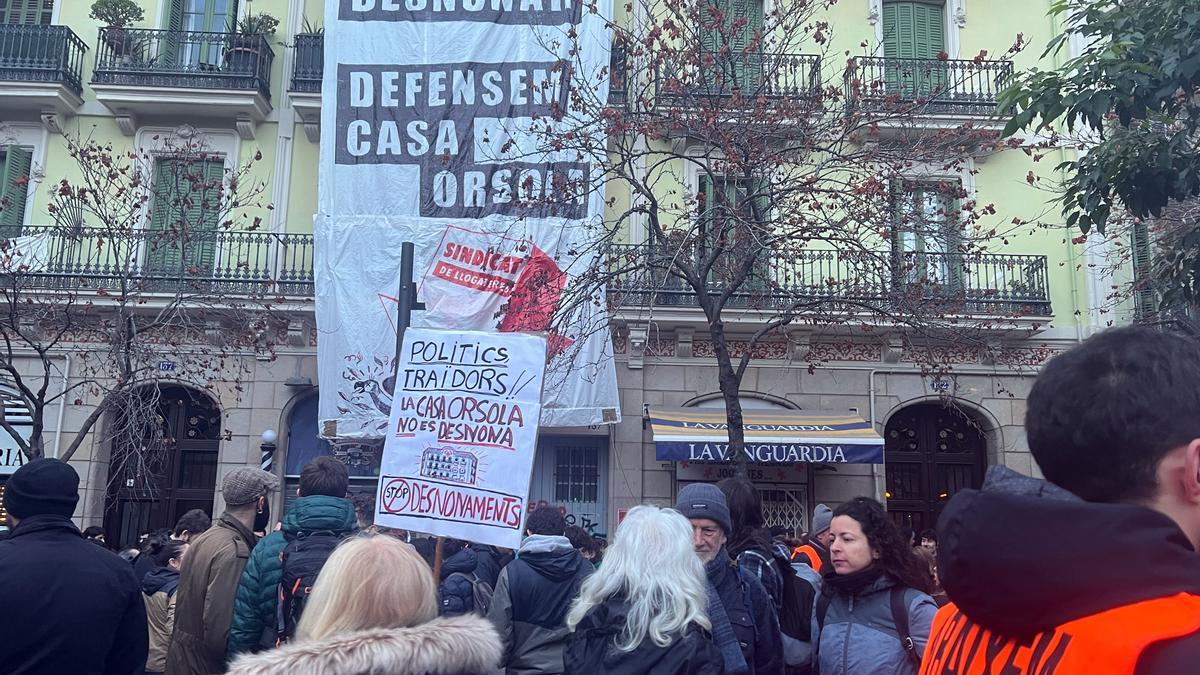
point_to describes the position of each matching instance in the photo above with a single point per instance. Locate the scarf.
(722, 629)
(851, 584)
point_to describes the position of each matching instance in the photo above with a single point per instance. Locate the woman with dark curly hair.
(875, 612)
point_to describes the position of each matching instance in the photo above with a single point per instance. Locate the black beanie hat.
(42, 487)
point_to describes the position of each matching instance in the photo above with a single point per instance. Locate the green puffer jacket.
(253, 625)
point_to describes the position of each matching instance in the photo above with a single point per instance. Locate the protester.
(69, 606)
(815, 552)
(95, 534)
(314, 525)
(749, 542)
(190, 524)
(938, 593)
(490, 560)
(744, 623)
(158, 593)
(533, 594)
(584, 542)
(1112, 584)
(874, 612)
(364, 511)
(754, 549)
(929, 541)
(461, 591)
(374, 610)
(644, 610)
(211, 570)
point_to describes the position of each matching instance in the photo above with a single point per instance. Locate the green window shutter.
(182, 240)
(913, 30)
(169, 50)
(26, 11)
(1145, 301)
(14, 188)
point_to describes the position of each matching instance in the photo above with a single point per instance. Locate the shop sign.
(715, 471)
(11, 457)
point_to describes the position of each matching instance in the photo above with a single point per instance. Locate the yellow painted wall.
(991, 26)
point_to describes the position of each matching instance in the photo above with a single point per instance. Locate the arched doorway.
(169, 470)
(932, 451)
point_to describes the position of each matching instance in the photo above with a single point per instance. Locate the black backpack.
(795, 617)
(302, 560)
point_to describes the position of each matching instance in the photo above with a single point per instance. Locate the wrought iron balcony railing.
(191, 59)
(221, 262)
(309, 64)
(719, 77)
(939, 86)
(975, 284)
(37, 53)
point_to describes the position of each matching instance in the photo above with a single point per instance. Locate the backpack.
(899, 617)
(481, 593)
(795, 617)
(302, 559)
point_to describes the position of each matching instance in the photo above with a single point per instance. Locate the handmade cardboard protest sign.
(459, 448)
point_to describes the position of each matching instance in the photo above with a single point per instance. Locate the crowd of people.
(700, 587)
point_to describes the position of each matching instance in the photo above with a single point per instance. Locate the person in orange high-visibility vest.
(816, 551)
(1094, 570)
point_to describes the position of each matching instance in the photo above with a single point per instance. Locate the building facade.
(178, 72)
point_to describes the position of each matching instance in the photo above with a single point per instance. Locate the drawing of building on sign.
(449, 464)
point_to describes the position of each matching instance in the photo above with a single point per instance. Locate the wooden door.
(932, 451)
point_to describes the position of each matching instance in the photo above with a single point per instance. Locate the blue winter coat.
(860, 638)
(253, 626)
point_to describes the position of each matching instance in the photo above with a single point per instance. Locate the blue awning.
(772, 436)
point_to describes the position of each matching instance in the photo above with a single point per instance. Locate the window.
(27, 11)
(184, 218)
(737, 70)
(735, 215)
(203, 16)
(15, 165)
(926, 233)
(914, 30)
(304, 445)
(1145, 300)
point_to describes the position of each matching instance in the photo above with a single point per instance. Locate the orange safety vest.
(1107, 643)
(814, 558)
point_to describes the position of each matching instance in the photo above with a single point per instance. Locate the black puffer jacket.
(592, 648)
(70, 607)
(456, 591)
(491, 561)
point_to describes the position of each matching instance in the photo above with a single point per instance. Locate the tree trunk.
(730, 383)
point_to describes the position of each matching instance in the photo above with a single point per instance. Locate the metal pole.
(406, 299)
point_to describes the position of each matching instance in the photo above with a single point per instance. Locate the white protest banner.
(459, 449)
(427, 135)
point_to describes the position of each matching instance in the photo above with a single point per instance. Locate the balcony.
(251, 264)
(308, 68)
(1008, 286)
(949, 91)
(718, 81)
(40, 71)
(145, 73)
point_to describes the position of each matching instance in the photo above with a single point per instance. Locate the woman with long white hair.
(374, 609)
(643, 610)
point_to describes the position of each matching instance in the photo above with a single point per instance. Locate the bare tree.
(152, 266)
(825, 196)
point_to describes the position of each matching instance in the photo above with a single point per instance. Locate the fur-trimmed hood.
(456, 645)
